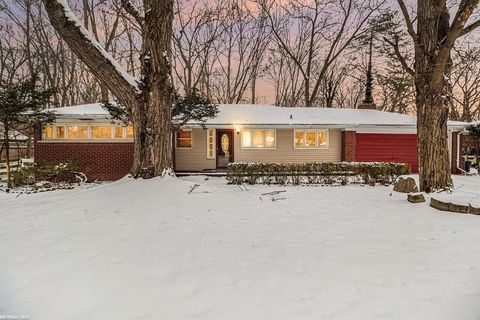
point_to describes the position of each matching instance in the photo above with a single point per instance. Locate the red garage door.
(373, 147)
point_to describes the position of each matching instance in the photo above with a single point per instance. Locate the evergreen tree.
(22, 105)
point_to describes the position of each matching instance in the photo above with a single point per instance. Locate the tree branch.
(131, 10)
(408, 21)
(400, 58)
(464, 12)
(99, 62)
(470, 28)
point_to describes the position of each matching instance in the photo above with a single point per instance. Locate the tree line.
(259, 51)
(309, 51)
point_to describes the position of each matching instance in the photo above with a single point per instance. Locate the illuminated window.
(101, 132)
(322, 138)
(269, 139)
(59, 132)
(311, 139)
(130, 132)
(210, 143)
(77, 132)
(48, 132)
(184, 138)
(261, 139)
(118, 133)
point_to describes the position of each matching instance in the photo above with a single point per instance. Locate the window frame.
(191, 139)
(112, 132)
(317, 147)
(214, 153)
(264, 137)
(89, 138)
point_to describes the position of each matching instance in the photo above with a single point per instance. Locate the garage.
(373, 147)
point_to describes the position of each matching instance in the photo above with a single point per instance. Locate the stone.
(416, 197)
(405, 185)
(453, 207)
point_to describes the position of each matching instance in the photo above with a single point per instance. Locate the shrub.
(62, 172)
(315, 172)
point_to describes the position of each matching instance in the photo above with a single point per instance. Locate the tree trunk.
(150, 102)
(432, 97)
(432, 137)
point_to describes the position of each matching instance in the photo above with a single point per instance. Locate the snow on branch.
(71, 37)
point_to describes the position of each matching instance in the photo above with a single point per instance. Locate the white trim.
(327, 131)
(214, 151)
(258, 148)
(191, 140)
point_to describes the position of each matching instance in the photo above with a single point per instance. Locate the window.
(59, 132)
(85, 131)
(118, 133)
(184, 138)
(48, 132)
(261, 139)
(129, 132)
(77, 132)
(210, 143)
(311, 139)
(101, 132)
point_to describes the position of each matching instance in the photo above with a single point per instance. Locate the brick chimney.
(368, 106)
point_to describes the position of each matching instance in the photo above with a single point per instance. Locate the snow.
(72, 18)
(92, 109)
(268, 115)
(137, 249)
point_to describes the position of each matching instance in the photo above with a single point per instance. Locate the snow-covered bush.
(60, 173)
(315, 172)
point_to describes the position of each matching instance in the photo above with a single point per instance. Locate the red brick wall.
(349, 146)
(102, 161)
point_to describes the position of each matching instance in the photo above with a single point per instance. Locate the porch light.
(238, 129)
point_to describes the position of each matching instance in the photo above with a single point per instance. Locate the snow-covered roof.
(251, 115)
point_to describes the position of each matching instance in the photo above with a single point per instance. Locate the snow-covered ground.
(150, 250)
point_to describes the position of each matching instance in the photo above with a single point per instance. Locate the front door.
(224, 148)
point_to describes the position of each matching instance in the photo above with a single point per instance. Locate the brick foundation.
(349, 146)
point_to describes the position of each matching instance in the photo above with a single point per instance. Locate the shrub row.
(62, 172)
(315, 172)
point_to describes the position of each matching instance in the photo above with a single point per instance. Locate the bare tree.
(466, 84)
(434, 39)
(148, 101)
(308, 34)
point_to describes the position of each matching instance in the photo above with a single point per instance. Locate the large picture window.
(311, 139)
(184, 138)
(258, 139)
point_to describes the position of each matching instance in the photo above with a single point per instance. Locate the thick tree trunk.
(432, 135)
(150, 102)
(433, 94)
(153, 152)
